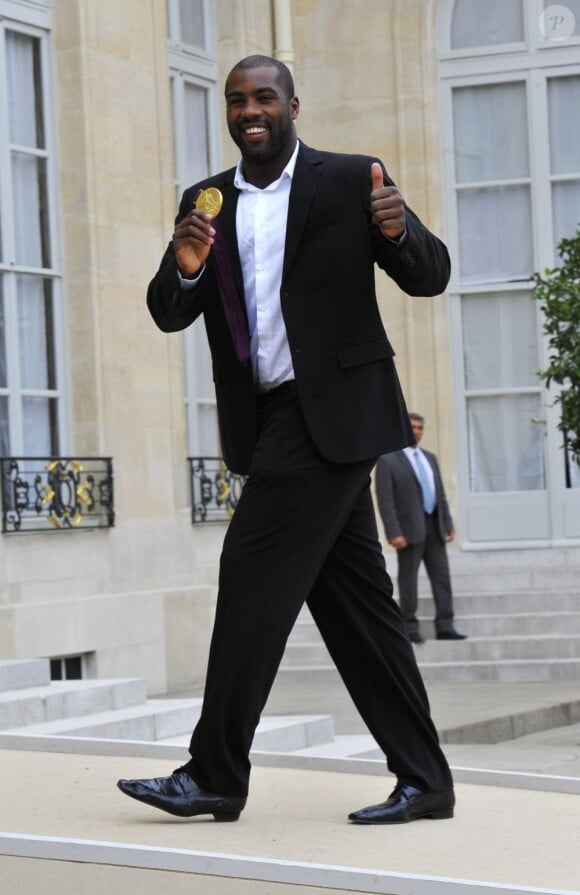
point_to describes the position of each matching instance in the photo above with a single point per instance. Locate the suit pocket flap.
(364, 353)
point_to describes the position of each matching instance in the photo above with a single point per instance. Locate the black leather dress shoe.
(451, 635)
(179, 794)
(407, 803)
(415, 637)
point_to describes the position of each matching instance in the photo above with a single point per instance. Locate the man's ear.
(294, 106)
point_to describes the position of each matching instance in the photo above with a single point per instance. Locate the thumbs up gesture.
(387, 206)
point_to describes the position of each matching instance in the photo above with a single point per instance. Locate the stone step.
(17, 674)
(283, 733)
(171, 721)
(484, 625)
(507, 671)
(65, 699)
(153, 720)
(505, 602)
(475, 649)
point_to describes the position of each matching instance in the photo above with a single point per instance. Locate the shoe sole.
(407, 817)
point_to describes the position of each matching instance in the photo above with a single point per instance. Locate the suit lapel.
(227, 220)
(304, 182)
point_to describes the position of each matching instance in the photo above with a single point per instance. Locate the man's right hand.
(192, 240)
(399, 542)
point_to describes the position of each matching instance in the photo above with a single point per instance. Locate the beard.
(280, 138)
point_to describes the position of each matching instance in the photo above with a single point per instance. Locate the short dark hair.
(284, 74)
(416, 416)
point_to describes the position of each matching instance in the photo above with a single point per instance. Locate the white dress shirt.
(261, 229)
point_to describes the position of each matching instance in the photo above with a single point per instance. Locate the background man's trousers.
(433, 553)
(305, 530)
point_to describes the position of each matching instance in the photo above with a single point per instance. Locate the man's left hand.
(387, 206)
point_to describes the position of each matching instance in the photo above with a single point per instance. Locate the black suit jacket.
(400, 500)
(343, 362)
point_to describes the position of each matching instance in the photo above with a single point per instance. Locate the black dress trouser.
(304, 530)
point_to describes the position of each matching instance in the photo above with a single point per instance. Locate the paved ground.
(64, 827)
(60, 813)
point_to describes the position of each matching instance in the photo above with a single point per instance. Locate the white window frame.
(31, 19)
(533, 61)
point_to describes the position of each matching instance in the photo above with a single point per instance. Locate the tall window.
(31, 416)
(511, 94)
(193, 72)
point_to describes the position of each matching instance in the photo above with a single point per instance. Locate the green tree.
(558, 292)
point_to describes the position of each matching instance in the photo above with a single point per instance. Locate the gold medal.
(210, 201)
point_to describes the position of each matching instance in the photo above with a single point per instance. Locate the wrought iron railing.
(56, 493)
(215, 490)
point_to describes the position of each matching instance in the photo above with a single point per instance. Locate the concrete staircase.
(33, 705)
(522, 621)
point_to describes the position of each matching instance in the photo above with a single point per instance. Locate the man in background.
(418, 524)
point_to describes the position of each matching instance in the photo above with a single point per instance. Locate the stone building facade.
(110, 108)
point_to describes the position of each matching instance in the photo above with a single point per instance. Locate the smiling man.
(308, 399)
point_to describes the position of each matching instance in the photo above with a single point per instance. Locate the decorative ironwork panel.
(56, 493)
(215, 490)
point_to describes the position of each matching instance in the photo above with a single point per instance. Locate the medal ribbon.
(230, 296)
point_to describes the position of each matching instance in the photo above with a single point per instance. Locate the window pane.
(505, 446)
(564, 127)
(196, 133)
(3, 372)
(572, 6)
(566, 208)
(4, 428)
(24, 90)
(572, 470)
(39, 427)
(477, 23)
(207, 433)
(500, 342)
(495, 234)
(36, 339)
(491, 132)
(191, 23)
(30, 210)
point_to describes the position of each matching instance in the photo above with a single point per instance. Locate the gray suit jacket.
(400, 502)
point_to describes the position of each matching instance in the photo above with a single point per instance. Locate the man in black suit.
(308, 398)
(413, 506)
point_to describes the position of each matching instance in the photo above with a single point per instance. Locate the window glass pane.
(36, 339)
(206, 417)
(30, 210)
(500, 341)
(495, 234)
(39, 427)
(564, 124)
(3, 371)
(571, 7)
(491, 132)
(207, 431)
(203, 370)
(480, 23)
(196, 133)
(4, 428)
(24, 90)
(505, 446)
(191, 23)
(566, 208)
(572, 470)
